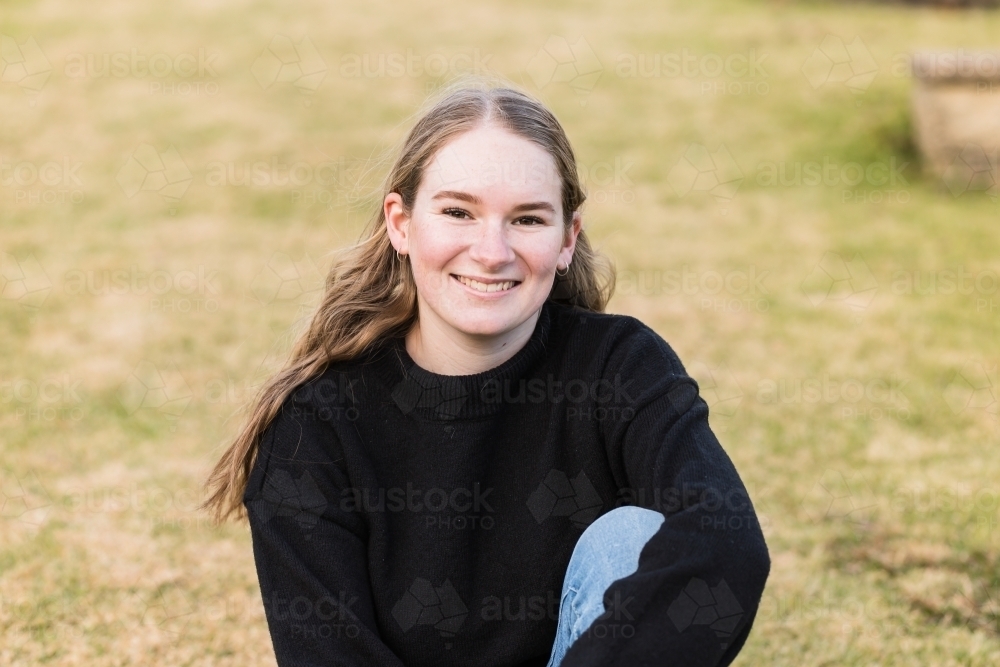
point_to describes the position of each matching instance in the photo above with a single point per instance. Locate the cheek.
(539, 255)
(434, 253)
(437, 244)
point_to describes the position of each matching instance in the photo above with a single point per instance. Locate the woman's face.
(486, 232)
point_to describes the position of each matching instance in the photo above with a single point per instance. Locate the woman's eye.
(462, 214)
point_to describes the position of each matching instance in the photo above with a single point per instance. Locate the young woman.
(466, 461)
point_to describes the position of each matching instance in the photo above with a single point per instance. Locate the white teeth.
(483, 287)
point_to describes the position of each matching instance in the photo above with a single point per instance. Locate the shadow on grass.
(944, 584)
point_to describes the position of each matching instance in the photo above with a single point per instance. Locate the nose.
(492, 249)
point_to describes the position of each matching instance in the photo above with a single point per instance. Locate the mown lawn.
(171, 187)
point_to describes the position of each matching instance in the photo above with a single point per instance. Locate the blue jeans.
(607, 550)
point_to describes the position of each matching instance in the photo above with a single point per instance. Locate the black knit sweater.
(400, 517)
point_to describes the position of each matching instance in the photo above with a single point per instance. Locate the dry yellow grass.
(856, 391)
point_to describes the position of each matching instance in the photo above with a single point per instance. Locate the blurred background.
(800, 197)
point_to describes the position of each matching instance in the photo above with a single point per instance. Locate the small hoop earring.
(564, 272)
(398, 259)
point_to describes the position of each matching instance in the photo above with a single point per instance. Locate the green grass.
(880, 509)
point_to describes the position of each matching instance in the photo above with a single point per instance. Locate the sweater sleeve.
(310, 555)
(696, 592)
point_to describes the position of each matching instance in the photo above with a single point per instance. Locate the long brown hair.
(369, 295)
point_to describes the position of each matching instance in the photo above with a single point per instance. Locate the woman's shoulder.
(612, 337)
(580, 317)
(336, 392)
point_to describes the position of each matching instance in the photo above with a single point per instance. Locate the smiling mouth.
(499, 286)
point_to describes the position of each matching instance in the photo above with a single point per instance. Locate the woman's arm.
(701, 576)
(310, 556)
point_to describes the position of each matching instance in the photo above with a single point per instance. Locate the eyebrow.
(473, 199)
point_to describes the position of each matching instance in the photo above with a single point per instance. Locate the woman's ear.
(569, 240)
(397, 222)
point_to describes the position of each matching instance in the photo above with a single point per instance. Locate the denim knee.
(611, 545)
(607, 550)
(626, 522)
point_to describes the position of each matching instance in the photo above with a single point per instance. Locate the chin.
(486, 325)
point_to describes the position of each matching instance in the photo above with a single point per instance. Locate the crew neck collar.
(434, 397)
